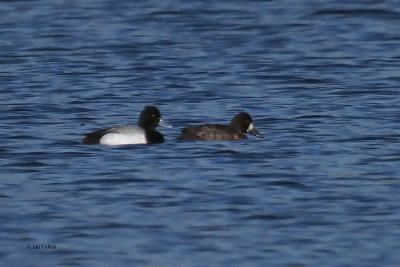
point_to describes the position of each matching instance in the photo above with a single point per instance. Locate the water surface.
(320, 79)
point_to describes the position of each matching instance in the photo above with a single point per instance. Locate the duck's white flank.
(124, 135)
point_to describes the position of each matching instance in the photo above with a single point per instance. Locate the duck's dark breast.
(154, 137)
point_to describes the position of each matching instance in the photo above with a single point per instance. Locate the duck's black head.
(149, 118)
(243, 123)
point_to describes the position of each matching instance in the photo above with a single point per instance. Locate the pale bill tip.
(164, 124)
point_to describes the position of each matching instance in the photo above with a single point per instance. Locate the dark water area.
(321, 80)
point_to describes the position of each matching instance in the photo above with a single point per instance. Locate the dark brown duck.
(241, 124)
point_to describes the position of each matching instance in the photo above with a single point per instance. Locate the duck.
(241, 124)
(143, 133)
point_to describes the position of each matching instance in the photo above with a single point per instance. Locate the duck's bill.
(252, 130)
(164, 124)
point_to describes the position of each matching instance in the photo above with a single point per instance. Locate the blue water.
(321, 80)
